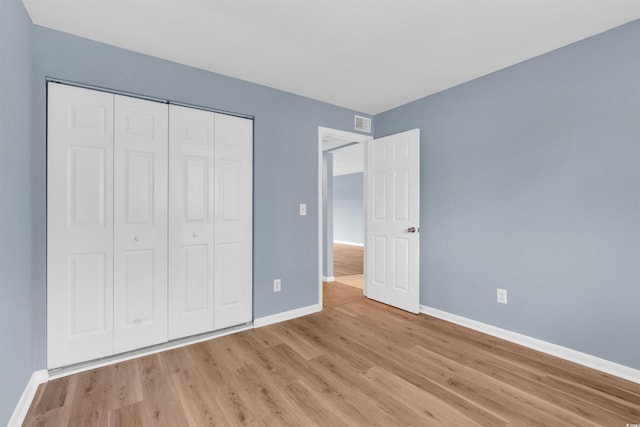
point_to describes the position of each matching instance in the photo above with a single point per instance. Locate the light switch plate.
(303, 209)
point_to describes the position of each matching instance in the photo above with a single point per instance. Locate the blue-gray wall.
(530, 181)
(327, 214)
(285, 157)
(16, 257)
(348, 208)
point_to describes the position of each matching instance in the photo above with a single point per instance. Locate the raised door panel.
(379, 250)
(191, 224)
(79, 225)
(86, 186)
(140, 223)
(233, 221)
(87, 291)
(196, 291)
(195, 179)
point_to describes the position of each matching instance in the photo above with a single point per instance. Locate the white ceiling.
(368, 55)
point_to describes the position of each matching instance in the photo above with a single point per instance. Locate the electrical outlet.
(303, 209)
(277, 283)
(502, 296)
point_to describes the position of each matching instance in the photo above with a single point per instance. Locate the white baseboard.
(287, 315)
(20, 412)
(342, 242)
(328, 279)
(575, 356)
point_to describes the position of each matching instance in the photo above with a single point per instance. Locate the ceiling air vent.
(362, 124)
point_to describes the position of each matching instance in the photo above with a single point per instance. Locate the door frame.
(347, 136)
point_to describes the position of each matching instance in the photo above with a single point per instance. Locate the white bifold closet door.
(233, 221)
(210, 221)
(149, 223)
(140, 223)
(79, 225)
(191, 226)
(107, 224)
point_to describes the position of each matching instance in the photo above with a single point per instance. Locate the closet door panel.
(140, 223)
(191, 197)
(233, 221)
(79, 225)
(196, 292)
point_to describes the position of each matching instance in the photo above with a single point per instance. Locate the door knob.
(195, 234)
(136, 238)
(411, 230)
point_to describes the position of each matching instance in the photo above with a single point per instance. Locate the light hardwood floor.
(347, 269)
(347, 260)
(337, 293)
(358, 363)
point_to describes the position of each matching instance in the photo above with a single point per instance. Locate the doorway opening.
(348, 283)
(341, 182)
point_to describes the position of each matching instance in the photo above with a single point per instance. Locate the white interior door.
(191, 226)
(393, 220)
(233, 221)
(79, 225)
(140, 223)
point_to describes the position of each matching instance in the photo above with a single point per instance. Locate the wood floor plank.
(315, 406)
(160, 406)
(615, 406)
(527, 379)
(377, 354)
(432, 410)
(92, 395)
(356, 363)
(265, 336)
(333, 341)
(213, 373)
(227, 352)
(509, 401)
(290, 365)
(126, 392)
(337, 293)
(308, 349)
(272, 403)
(53, 417)
(56, 395)
(382, 408)
(127, 416)
(347, 259)
(572, 372)
(195, 398)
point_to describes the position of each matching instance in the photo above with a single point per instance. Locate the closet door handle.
(411, 230)
(136, 238)
(195, 235)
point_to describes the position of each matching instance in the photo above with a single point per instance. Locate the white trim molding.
(342, 242)
(21, 409)
(328, 279)
(286, 315)
(575, 356)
